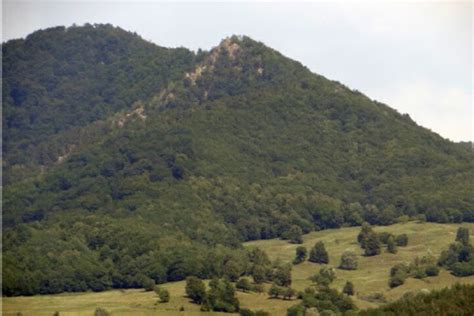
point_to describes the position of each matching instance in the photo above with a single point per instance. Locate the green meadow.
(371, 277)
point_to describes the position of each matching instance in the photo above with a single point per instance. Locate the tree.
(348, 288)
(221, 297)
(301, 255)
(401, 240)
(195, 289)
(148, 284)
(348, 261)
(164, 296)
(295, 235)
(324, 277)
(372, 245)
(259, 274)
(462, 235)
(244, 285)
(275, 291)
(319, 254)
(232, 270)
(365, 230)
(282, 275)
(391, 245)
(288, 293)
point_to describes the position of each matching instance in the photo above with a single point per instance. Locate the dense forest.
(126, 163)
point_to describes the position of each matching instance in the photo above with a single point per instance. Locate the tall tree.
(318, 253)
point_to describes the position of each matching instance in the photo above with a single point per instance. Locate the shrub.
(244, 285)
(348, 261)
(432, 270)
(401, 240)
(396, 280)
(164, 296)
(348, 288)
(101, 312)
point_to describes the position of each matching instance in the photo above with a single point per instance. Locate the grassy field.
(370, 278)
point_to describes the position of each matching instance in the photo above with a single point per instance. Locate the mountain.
(162, 161)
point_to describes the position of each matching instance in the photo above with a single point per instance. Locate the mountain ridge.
(248, 147)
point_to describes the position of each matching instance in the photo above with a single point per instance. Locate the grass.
(373, 273)
(370, 278)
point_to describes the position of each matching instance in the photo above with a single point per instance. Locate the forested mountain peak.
(160, 160)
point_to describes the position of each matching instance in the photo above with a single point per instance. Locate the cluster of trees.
(419, 269)
(286, 293)
(321, 300)
(459, 257)
(372, 242)
(220, 297)
(175, 194)
(456, 300)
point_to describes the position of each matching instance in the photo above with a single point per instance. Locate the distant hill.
(126, 161)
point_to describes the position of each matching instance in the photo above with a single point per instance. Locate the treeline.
(456, 300)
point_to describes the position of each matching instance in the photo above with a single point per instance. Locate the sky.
(414, 56)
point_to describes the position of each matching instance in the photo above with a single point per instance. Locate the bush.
(396, 280)
(301, 255)
(148, 284)
(324, 277)
(101, 312)
(244, 285)
(348, 261)
(348, 288)
(432, 270)
(164, 296)
(372, 245)
(401, 240)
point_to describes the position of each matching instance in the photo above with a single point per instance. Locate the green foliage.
(164, 296)
(259, 274)
(323, 299)
(248, 312)
(301, 255)
(324, 277)
(172, 189)
(456, 300)
(348, 288)
(401, 240)
(148, 284)
(282, 275)
(459, 257)
(318, 253)
(195, 289)
(348, 260)
(391, 245)
(101, 312)
(221, 297)
(244, 285)
(462, 235)
(372, 245)
(294, 235)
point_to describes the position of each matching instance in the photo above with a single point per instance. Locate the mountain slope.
(62, 78)
(243, 145)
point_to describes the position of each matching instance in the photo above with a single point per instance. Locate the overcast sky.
(413, 56)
